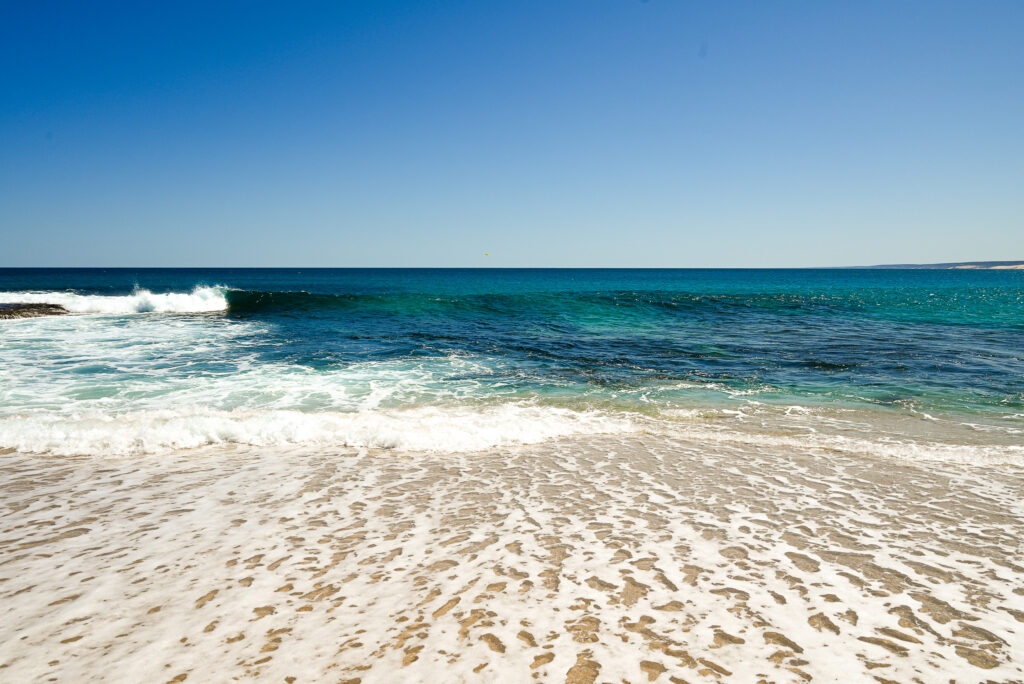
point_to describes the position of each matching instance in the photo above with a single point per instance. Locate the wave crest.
(448, 429)
(202, 299)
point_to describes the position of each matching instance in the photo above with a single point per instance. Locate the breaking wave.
(417, 429)
(202, 299)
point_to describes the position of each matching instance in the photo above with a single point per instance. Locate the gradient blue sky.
(549, 133)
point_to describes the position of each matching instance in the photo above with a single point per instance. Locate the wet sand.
(633, 559)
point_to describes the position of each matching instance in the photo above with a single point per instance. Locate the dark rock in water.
(31, 310)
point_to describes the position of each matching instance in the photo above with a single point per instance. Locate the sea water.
(894, 363)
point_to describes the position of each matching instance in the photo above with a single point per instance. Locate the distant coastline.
(974, 265)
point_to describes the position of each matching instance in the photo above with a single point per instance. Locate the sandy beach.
(597, 559)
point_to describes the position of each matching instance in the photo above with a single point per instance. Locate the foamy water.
(418, 429)
(199, 300)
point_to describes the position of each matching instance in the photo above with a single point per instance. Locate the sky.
(586, 133)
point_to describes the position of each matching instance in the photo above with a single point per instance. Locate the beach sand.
(597, 559)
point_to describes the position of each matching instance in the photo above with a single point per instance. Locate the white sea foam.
(443, 428)
(199, 300)
(416, 429)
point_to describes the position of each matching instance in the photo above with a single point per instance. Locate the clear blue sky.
(547, 133)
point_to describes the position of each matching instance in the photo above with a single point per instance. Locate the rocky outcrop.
(31, 310)
(959, 265)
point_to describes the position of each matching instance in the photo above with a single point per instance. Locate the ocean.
(922, 364)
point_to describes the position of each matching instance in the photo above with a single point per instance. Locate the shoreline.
(636, 557)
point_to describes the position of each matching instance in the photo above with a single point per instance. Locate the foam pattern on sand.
(594, 559)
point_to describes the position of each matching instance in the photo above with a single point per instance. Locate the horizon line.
(891, 266)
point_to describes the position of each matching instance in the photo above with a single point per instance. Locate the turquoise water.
(459, 359)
